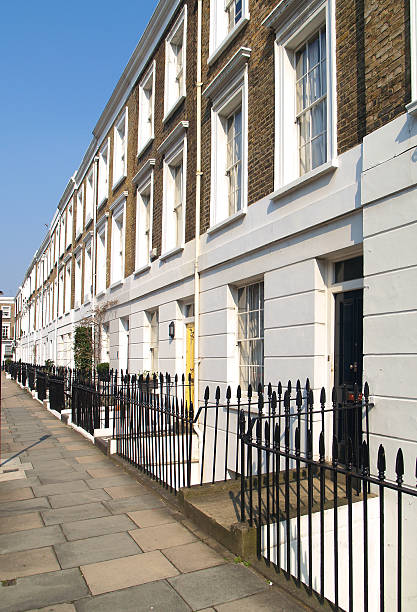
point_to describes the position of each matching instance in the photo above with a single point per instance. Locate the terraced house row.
(246, 210)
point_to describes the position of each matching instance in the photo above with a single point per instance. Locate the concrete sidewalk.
(78, 533)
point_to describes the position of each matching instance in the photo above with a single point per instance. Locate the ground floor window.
(251, 335)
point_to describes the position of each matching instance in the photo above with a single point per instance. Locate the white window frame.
(144, 188)
(172, 102)
(117, 265)
(220, 35)
(78, 278)
(228, 91)
(79, 212)
(120, 149)
(153, 359)
(239, 340)
(412, 106)
(67, 303)
(89, 197)
(103, 173)
(293, 28)
(175, 148)
(101, 253)
(68, 240)
(6, 311)
(88, 270)
(146, 122)
(6, 327)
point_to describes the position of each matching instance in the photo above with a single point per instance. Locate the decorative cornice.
(87, 237)
(288, 10)
(137, 63)
(233, 66)
(174, 136)
(143, 171)
(118, 201)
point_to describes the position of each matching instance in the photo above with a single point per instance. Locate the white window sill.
(102, 202)
(225, 222)
(299, 182)
(78, 234)
(173, 108)
(142, 269)
(76, 308)
(118, 182)
(411, 108)
(116, 284)
(226, 41)
(142, 148)
(101, 293)
(87, 300)
(88, 221)
(171, 252)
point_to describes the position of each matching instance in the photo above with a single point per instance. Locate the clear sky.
(59, 63)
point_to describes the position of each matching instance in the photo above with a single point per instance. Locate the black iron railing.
(320, 520)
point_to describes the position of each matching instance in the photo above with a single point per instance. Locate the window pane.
(241, 298)
(317, 120)
(318, 151)
(242, 326)
(313, 52)
(314, 84)
(253, 296)
(253, 324)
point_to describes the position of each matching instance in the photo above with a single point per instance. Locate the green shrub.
(103, 370)
(83, 348)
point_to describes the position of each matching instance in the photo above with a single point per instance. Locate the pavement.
(77, 533)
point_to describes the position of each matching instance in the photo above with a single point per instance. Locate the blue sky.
(60, 62)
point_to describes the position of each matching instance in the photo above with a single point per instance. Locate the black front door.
(348, 370)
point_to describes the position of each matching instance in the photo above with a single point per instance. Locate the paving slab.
(22, 507)
(217, 585)
(124, 491)
(104, 472)
(194, 556)
(68, 514)
(91, 459)
(30, 538)
(79, 530)
(92, 550)
(77, 498)
(21, 522)
(143, 502)
(18, 564)
(150, 518)
(55, 477)
(43, 590)
(156, 596)
(126, 572)
(100, 483)
(18, 484)
(273, 600)
(16, 495)
(60, 487)
(162, 536)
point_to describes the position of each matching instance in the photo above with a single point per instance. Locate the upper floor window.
(5, 332)
(6, 311)
(305, 132)
(69, 226)
(144, 222)
(80, 211)
(89, 197)
(175, 65)
(227, 17)
(78, 280)
(174, 202)
(120, 149)
(101, 262)
(103, 173)
(117, 242)
(62, 236)
(68, 287)
(229, 140)
(146, 109)
(311, 100)
(87, 271)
